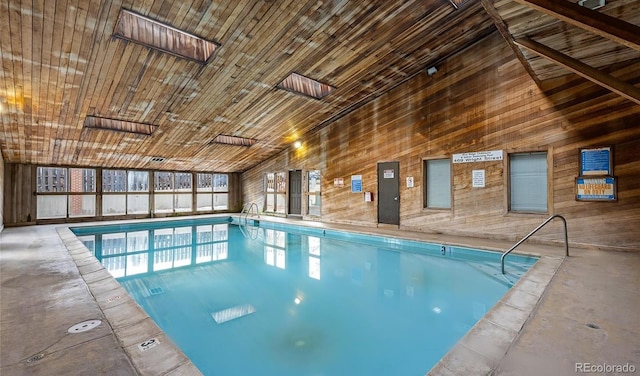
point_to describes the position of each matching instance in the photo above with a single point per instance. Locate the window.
(313, 192)
(125, 192)
(65, 192)
(437, 183)
(275, 192)
(212, 192)
(528, 182)
(172, 192)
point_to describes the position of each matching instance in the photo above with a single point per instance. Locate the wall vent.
(157, 159)
(592, 4)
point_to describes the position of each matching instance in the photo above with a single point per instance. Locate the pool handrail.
(566, 238)
(247, 212)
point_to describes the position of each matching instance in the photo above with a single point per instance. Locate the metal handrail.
(251, 205)
(566, 238)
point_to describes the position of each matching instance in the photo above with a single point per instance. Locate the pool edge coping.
(478, 352)
(130, 324)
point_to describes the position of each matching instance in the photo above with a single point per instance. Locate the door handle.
(395, 198)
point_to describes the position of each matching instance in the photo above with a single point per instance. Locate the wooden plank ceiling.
(61, 64)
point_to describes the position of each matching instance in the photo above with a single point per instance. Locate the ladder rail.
(246, 213)
(566, 238)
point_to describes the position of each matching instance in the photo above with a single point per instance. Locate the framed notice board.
(596, 161)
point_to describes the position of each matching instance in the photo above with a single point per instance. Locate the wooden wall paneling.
(2, 188)
(494, 105)
(19, 199)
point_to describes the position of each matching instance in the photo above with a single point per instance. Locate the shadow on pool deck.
(560, 315)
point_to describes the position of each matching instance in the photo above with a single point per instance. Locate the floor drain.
(35, 358)
(593, 326)
(84, 326)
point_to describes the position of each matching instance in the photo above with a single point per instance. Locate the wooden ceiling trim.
(620, 87)
(504, 31)
(599, 23)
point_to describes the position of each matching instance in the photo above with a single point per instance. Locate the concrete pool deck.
(562, 314)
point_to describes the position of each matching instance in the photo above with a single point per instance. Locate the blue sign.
(595, 161)
(356, 183)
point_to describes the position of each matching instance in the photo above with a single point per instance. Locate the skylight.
(300, 84)
(139, 29)
(233, 140)
(458, 3)
(93, 122)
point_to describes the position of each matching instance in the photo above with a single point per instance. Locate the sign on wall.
(596, 189)
(477, 179)
(596, 161)
(356, 183)
(478, 156)
(338, 182)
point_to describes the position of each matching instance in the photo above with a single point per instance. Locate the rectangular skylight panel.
(233, 140)
(139, 29)
(93, 122)
(305, 86)
(458, 3)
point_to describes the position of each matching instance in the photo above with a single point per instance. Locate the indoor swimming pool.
(272, 299)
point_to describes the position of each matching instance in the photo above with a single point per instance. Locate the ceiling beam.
(617, 86)
(504, 31)
(599, 23)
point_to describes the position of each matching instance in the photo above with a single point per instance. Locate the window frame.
(66, 189)
(425, 190)
(549, 180)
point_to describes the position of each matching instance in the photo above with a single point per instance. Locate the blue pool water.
(290, 300)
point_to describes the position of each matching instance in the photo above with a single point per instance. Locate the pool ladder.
(246, 210)
(566, 238)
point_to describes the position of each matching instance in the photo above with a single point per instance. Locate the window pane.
(82, 180)
(205, 182)
(281, 182)
(138, 181)
(204, 201)
(314, 204)
(280, 200)
(114, 180)
(138, 204)
(183, 181)
(270, 204)
(314, 181)
(528, 182)
(163, 203)
(270, 182)
(220, 183)
(82, 205)
(114, 204)
(51, 179)
(220, 201)
(438, 183)
(52, 207)
(183, 202)
(163, 181)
